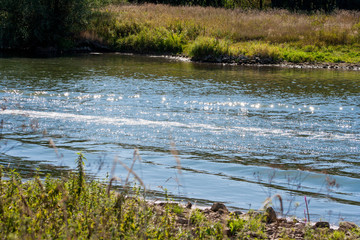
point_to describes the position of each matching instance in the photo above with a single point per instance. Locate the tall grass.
(275, 26)
(54, 209)
(200, 31)
(75, 207)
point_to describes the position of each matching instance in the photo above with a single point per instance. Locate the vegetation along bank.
(72, 208)
(225, 34)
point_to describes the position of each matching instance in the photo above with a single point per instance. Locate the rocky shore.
(258, 61)
(87, 47)
(275, 227)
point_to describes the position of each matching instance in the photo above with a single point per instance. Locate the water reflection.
(228, 122)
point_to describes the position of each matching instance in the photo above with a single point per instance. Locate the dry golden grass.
(199, 32)
(274, 26)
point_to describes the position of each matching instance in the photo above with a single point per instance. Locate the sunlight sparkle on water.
(135, 96)
(231, 121)
(255, 105)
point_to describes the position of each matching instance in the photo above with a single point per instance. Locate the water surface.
(242, 134)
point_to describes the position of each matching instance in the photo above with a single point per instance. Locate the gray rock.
(182, 220)
(266, 60)
(322, 225)
(346, 226)
(217, 206)
(238, 213)
(270, 215)
(163, 204)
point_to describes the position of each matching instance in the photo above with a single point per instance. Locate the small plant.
(250, 228)
(307, 209)
(80, 169)
(236, 225)
(197, 217)
(177, 209)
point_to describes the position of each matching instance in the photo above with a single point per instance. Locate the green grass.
(73, 208)
(208, 33)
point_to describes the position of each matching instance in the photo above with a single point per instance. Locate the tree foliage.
(206, 3)
(41, 23)
(26, 24)
(305, 5)
(315, 5)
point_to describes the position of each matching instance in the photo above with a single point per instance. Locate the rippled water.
(242, 133)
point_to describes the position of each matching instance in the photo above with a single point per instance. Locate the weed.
(177, 209)
(197, 217)
(247, 228)
(236, 224)
(80, 170)
(307, 209)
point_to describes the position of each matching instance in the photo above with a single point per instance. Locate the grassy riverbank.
(225, 35)
(72, 208)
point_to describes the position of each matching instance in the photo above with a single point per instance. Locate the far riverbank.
(217, 35)
(275, 37)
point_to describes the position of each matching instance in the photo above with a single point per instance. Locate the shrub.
(41, 23)
(159, 40)
(207, 46)
(258, 49)
(295, 56)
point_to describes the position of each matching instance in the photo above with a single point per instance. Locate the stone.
(346, 226)
(182, 220)
(237, 213)
(266, 60)
(164, 204)
(217, 206)
(270, 215)
(189, 205)
(322, 225)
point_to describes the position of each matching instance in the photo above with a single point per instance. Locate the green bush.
(298, 56)
(42, 23)
(206, 46)
(148, 40)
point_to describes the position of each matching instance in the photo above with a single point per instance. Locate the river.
(240, 134)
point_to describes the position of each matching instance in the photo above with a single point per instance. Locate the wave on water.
(118, 121)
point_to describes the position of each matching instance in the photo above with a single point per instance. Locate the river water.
(240, 134)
